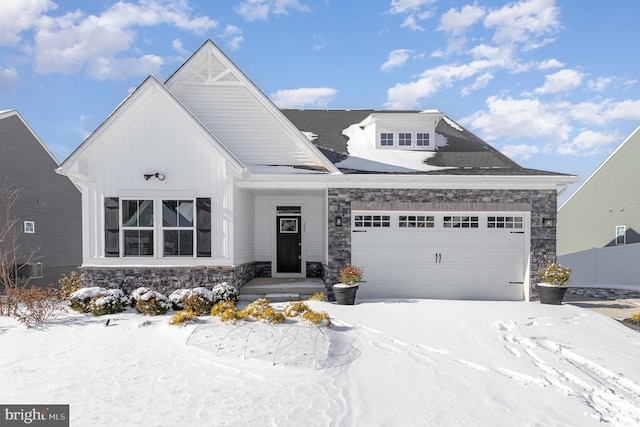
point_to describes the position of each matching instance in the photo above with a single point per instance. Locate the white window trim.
(29, 227)
(623, 235)
(178, 228)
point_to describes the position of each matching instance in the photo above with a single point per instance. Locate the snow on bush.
(225, 292)
(109, 301)
(177, 297)
(79, 300)
(198, 300)
(150, 302)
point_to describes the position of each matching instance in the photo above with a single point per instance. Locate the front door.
(289, 244)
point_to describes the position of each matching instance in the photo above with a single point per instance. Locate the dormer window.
(422, 139)
(404, 139)
(386, 139)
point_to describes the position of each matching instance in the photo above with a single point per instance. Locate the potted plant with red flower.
(345, 291)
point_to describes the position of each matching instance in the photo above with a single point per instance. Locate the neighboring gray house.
(202, 178)
(49, 206)
(599, 224)
(605, 210)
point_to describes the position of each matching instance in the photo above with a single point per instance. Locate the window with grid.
(504, 222)
(137, 225)
(422, 139)
(621, 234)
(415, 221)
(386, 139)
(178, 227)
(404, 139)
(460, 221)
(361, 221)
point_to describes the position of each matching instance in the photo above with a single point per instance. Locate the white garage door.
(449, 255)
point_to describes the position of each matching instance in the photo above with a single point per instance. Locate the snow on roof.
(364, 156)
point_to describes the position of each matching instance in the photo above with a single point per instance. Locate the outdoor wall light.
(547, 222)
(338, 221)
(158, 175)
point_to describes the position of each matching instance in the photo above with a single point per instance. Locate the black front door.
(289, 244)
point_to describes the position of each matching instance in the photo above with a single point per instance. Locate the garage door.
(449, 255)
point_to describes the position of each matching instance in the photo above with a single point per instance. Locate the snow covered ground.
(384, 363)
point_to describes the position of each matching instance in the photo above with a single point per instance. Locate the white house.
(202, 178)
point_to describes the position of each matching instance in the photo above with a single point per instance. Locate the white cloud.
(303, 97)
(102, 45)
(561, 81)
(523, 21)
(19, 16)
(233, 35)
(588, 143)
(456, 23)
(600, 84)
(259, 10)
(549, 64)
(402, 6)
(8, 79)
(407, 95)
(519, 151)
(397, 58)
(410, 23)
(516, 118)
(480, 82)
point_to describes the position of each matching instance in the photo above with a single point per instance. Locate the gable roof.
(242, 118)
(463, 154)
(74, 166)
(5, 114)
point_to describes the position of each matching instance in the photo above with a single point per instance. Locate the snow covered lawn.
(384, 363)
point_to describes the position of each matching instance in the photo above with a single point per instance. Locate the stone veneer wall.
(541, 203)
(167, 280)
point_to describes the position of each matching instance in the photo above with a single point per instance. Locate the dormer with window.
(403, 130)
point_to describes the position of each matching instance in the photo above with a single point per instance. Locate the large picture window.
(157, 227)
(178, 225)
(137, 224)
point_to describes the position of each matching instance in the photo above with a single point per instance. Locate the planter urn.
(551, 294)
(345, 294)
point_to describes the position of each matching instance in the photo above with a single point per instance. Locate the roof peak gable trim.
(603, 164)
(150, 81)
(213, 75)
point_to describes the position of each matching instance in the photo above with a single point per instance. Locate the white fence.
(611, 267)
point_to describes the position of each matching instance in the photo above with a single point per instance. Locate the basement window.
(29, 227)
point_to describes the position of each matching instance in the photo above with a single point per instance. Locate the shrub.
(555, 274)
(261, 311)
(110, 301)
(350, 274)
(79, 300)
(149, 302)
(182, 316)
(69, 284)
(198, 300)
(177, 297)
(35, 305)
(98, 301)
(295, 309)
(224, 292)
(222, 306)
(317, 297)
(636, 317)
(317, 318)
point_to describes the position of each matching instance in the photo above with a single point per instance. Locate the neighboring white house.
(599, 225)
(202, 178)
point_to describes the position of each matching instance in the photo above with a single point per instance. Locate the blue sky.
(551, 83)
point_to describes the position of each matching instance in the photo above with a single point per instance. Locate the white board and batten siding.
(154, 137)
(442, 255)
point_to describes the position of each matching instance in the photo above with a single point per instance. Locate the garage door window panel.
(505, 222)
(372, 221)
(416, 221)
(460, 221)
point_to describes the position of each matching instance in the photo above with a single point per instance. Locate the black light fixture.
(338, 221)
(147, 176)
(547, 222)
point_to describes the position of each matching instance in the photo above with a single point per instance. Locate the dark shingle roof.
(463, 154)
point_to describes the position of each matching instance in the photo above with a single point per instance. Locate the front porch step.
(281, 290)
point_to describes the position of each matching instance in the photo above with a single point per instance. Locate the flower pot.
(345, 294)
(550, 294)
